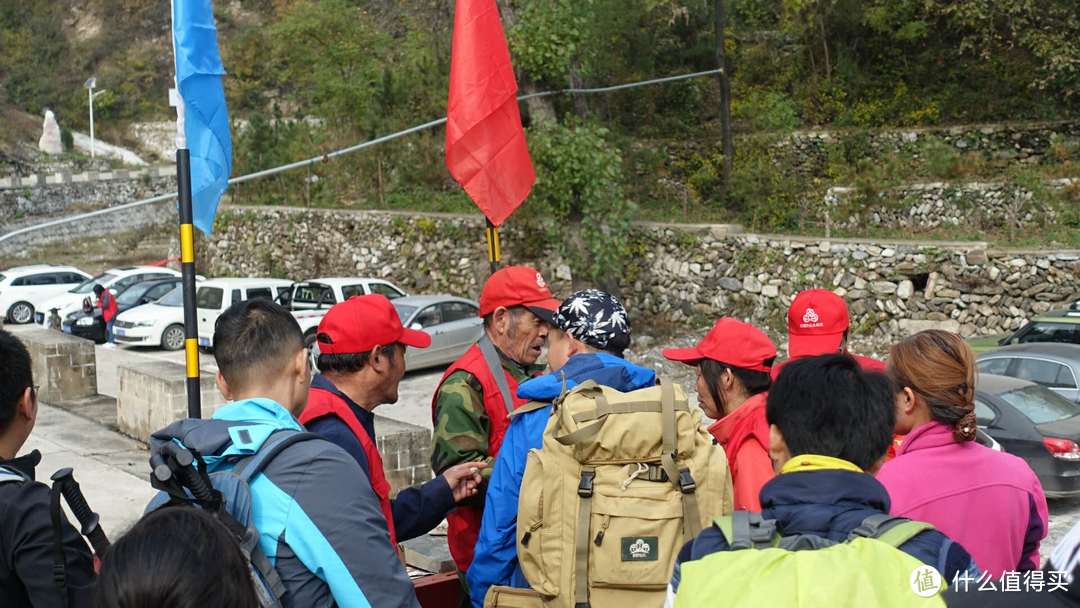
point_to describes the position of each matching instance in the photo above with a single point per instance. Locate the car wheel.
(21, 313)
(173, 337)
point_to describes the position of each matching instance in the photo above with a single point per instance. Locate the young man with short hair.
(361, 362)
(830, 424)
(591, 332)
(27, 543)
(319, 521)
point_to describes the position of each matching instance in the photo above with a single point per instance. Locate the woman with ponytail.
(990, 502)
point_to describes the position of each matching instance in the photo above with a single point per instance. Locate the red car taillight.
(1064, 449)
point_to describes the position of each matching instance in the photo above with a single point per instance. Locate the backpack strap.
(891, 530)
(251, 466)
(581, 541)
(747, 530)
(531, 406)
(246, 469)
(494, 365)
(9, 475)
(59, 559)
(680, 477)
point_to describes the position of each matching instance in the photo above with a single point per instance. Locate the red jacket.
(107, 303)
(322, 402)
(744, 435)
(463, 523)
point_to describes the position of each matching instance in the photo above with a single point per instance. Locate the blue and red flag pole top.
(486, 150)
(203, 154)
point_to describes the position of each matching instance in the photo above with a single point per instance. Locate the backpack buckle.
(687, 485)
(585, 486)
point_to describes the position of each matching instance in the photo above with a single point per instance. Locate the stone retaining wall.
(1012, 142)
(924, 207)
(682, 275)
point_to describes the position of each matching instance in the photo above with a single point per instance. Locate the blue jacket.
(495, 560)
(319, 521)
(416, 510)
(831, 504)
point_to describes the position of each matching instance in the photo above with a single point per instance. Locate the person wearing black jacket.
(27, 541)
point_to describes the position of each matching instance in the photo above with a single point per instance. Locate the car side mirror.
(416, 326)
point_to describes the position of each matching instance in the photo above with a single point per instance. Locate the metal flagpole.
(187, 251)
(493, 246)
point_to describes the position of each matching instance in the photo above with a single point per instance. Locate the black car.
(1036, 424)
(87, 323)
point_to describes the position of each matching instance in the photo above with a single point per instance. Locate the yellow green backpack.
(766, 570)
(621, 483)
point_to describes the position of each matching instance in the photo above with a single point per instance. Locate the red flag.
(485, 143)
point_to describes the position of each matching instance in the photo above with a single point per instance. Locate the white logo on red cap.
(540, 281)
(810, 319)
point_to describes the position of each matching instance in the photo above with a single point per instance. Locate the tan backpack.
(622, 481)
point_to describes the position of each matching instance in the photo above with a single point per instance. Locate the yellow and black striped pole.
(493, 246)
(187, 268)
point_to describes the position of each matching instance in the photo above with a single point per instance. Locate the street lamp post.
(90, 84)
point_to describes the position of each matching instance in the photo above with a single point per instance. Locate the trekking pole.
(188, 476)
(88, 520)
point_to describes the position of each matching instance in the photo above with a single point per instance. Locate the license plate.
(204, 341)
(118, 332)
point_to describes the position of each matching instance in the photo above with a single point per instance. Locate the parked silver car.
(1054, 365)
(453, 323)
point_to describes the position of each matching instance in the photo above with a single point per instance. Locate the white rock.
(562, 272)
(905, 289)
(752, 284)
(770, 291)
(50, 142)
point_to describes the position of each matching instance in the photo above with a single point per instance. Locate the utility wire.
(349, 150)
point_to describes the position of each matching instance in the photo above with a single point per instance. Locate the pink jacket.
(990, 502)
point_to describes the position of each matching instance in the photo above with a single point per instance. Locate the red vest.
(322, 402)
(108, 306)
(463, 523)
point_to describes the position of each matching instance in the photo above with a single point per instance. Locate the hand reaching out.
(464, 479)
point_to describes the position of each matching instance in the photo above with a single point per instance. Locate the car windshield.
(87, 286)
(404, 311)
(1040, 404)
(173, 298)
(130, 295)
(1045, 331)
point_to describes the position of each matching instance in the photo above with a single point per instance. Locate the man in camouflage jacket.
(471, 407)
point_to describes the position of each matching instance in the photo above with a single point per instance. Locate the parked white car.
(115, 280)
(310, 300)
(215, 295)
(23, 286)
(159, 323)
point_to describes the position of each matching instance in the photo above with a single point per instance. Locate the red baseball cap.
(361, 323)
(518, 286)
(816, 321)
(730, 342)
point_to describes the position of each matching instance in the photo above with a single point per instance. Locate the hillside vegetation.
(356, 69)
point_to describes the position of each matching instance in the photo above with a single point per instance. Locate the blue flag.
(206, 119)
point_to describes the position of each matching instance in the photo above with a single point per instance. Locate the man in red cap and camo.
(361, 362)
(472, 404)
(818, 324)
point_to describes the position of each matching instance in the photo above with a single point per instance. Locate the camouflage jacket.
(461, 423)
